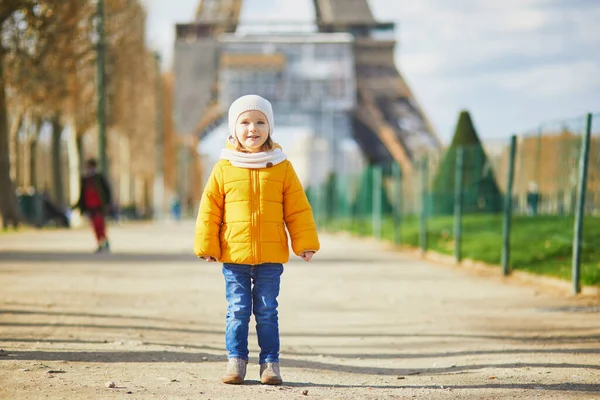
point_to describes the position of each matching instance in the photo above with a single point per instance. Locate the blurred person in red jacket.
(95, 201)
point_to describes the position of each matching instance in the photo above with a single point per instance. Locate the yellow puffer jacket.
(243, 212)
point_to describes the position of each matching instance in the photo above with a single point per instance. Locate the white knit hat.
(250, 102)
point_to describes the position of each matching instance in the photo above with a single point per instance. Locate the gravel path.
(359, 322)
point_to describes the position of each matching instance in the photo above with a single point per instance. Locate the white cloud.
(553, 81)
(460, 37)
(527, 21)
(425, 63)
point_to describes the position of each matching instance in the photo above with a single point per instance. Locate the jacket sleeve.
(210, 217)
(298, 214)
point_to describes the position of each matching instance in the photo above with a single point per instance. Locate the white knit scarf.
(254, 160)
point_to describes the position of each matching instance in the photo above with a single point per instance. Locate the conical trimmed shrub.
(480, 190)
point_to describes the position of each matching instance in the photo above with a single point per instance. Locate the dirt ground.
(359, 322)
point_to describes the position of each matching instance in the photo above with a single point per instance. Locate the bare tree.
(17, 18)
(49, 83)
(131, 79)
(50, 58)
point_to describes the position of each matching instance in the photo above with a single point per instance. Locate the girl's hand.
(209, 259)
(307, 255)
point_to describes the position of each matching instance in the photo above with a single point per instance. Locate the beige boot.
(236, 371)
(270, 374)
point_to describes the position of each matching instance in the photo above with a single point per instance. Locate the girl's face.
(252, 130)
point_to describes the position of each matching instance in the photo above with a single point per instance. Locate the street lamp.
(100, 84)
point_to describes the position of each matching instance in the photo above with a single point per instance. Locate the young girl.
(252, 192)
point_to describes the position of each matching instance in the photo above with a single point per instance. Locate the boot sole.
(232, 380)
(271, 381)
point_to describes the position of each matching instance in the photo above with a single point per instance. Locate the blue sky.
(512, 63)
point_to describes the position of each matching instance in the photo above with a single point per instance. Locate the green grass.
(11, 230)
(540, 245)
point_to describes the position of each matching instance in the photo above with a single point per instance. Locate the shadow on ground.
(185, 357)
(8, 312)
(23, 257)
(16, 257)
(346, 356)
(556, 339)
(565, 387)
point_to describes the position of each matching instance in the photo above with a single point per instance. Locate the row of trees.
(48, 70)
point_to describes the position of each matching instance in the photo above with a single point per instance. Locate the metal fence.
(455, 202)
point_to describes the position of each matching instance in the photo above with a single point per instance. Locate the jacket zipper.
(259, 256)
(255, 210)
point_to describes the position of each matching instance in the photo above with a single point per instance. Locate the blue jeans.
(252, 288)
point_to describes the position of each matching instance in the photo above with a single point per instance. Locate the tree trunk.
(8, 199)
(33, 154)
(57, 176)
(124, 173)
(73, 153)
(15, 153)
(80, 153)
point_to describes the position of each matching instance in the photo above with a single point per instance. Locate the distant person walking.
(95, 201)
(176, 208)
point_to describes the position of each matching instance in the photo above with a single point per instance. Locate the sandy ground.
(359, 322)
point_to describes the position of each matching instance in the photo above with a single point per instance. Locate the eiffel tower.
(387, 122)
